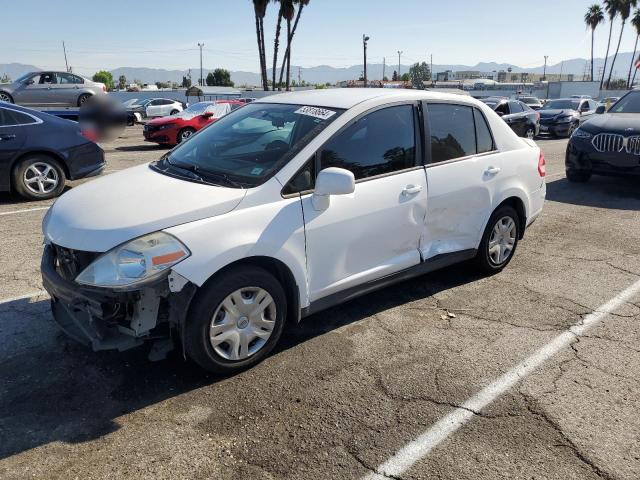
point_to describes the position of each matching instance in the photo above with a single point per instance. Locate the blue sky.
(163, 34)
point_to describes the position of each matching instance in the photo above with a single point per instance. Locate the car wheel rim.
(530, 134)
(186, 134)
(242, 323)
(502, 240)
(41, 178)
(4, 97)
(83, 99)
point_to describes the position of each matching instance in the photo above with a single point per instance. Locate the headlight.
(138, 260)
(166, 125)
(565, 119)
(580, 133)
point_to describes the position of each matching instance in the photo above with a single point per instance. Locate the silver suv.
(50, 89)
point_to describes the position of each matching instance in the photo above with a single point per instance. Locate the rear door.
(463, 172)
(517, 118)
(13, 126)
(67, 88)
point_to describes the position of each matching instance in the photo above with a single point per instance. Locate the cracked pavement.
(350, 386)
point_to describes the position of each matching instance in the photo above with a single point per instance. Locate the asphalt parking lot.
(351, 386)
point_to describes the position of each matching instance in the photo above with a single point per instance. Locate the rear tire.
(578, 176)
(499, 240)
(82, 99)
(219, 312)
(530, 133)
(184, 134)
(173, 112)
(5, 97)
(38, 177)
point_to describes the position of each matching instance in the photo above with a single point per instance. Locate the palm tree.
(593, 18)
(635, 21)
(260, 10)
(624, 8)
(288, 11)
(302, 4)
(276, 40)
(611, 7)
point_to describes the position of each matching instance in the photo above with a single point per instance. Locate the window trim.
(418, 143)
(474, 108)
(38, 121)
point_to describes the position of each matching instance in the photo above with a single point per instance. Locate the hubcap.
(502, 240)
(4, 97)
(186, 134)
(530, 134)
(242, 323)
(41, 178)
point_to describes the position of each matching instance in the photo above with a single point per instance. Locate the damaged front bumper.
(114, 319)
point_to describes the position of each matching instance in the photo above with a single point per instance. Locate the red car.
(176, 128)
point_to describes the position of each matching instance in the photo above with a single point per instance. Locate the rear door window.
(484, 139)
(452, 130)
(514, 107)
(9, 118)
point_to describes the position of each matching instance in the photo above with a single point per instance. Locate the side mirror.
(601, 109)
(207, 114)
(29, 82)
(332, 181)
(500, 114)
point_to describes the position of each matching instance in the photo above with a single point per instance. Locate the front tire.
(184, 134)
(235, 320)
(5, 97)
(530, 133)
(499, 240)
(38, 177)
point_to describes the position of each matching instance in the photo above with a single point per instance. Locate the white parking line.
(39, 294)
(408, 455)
(14, 212)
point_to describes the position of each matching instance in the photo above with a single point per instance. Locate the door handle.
(411, 189)
(492, 171)
(7, 137)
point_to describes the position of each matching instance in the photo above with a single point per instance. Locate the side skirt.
(435, 263)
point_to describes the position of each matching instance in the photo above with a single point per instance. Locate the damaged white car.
(285, 207)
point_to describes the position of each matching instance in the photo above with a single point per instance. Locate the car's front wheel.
(499, 241)
(530, 133)
(184, 134)
(5, 97)
(235, 320)
(38, 177)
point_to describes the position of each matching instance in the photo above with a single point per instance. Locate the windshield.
(248, 145)
(561, 105)
(628, 104)
(24, 77)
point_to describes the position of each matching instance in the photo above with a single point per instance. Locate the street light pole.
(365, 39)
(544, 74)
(399, 53)
(201, 79)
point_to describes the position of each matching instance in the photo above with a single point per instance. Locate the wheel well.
(518, 206)
(60, 160)
(282, 273)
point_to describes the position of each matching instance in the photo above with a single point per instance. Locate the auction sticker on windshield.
(316, 112)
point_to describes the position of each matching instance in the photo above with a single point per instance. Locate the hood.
(556, 112)
(162, 120)
(113, 209)
(623, 123)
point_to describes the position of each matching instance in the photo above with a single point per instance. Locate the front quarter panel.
(257, 227)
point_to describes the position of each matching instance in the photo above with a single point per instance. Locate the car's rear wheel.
(530, 133)
(82, 99)
(499, 240)
(5, 97)
(184, 134)
(235, 320)
(578, 176)
(572, 128)
(173, 112)
(38, 177)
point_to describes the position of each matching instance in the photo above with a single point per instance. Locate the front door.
(462, 176)
(374, 231)
(37, 90)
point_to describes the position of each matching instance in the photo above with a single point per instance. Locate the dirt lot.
(350, 386)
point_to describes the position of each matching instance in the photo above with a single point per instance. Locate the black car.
(522, 119)
(561, 117)
(39, 152)
(607, 144)
(530, 101)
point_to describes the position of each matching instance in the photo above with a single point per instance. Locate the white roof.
(349, 97)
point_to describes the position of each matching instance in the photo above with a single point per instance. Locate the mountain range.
(328, 74)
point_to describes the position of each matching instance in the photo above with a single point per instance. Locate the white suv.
(161, 107)
(285, 207)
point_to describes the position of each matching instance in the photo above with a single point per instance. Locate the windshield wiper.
(196, 173)
(189, 170)
(224, 177)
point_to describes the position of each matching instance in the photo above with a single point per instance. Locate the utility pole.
(399, 53)
(201, 79)
(365, 39)
(431, 69)
(544, 74)
(384, 66)
(65, 56)
(299, 76)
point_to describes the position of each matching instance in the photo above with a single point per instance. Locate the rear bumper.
(581, 155)
(85, 161)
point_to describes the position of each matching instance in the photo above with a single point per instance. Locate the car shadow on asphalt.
(619, 193)
(55, 390)
(141, 148)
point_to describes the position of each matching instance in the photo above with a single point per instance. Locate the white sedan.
(161, 107)
(285, 207)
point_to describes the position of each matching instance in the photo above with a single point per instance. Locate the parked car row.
(522, 119)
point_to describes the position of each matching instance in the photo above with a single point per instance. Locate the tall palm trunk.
(276, 44)
(260, 49)
(613, 63)
(633, 61)
(606, 57)
(287, 53)
(593, 34)
(264, 57)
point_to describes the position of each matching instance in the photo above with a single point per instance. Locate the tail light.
(542, 165)
(89, 134)
(104, 88)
